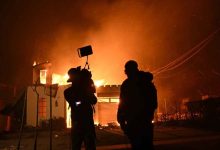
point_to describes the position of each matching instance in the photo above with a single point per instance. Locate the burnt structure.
(42, 69)
(208, 109)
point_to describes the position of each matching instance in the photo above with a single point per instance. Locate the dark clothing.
(138, 101)
(81, 99)
(81, 103)
(83, 133)
(140, 135)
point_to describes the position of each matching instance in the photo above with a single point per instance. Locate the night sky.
(153, 32)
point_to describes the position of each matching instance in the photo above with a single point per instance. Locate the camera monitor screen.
(85, 51)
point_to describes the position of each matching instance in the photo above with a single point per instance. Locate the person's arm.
(67, 94)
(70, 96)
(91, 93)
(92, 99)
(121, 114)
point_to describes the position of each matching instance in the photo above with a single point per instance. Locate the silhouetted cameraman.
(81, 99)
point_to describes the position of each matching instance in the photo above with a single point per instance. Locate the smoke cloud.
(150, 31)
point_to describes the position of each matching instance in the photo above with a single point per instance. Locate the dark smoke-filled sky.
(153, 32)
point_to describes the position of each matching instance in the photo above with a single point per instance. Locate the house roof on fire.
(108, 91)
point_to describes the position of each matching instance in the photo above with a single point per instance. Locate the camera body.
(82, 92)
(84, 86)
(81, 78)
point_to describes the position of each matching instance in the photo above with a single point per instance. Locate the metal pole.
(50, 117)
(165, 103)
(22, 121)
(36, 128)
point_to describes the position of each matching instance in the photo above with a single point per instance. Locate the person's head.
(131, 68)
(73, 74)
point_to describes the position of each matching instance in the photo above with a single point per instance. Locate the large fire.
(56, 78)
(99, 83)
(62, 79)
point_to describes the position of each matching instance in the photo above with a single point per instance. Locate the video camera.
(83, 73)
(82, 82)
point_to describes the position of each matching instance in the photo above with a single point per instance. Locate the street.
(166, 138)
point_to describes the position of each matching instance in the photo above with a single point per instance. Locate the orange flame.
(59, 79)
(99, 83)
(43, 76)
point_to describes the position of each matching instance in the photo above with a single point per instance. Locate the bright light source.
(34, 64)
(99, 83)
(59, 79)
(43, 76)
(68, 116)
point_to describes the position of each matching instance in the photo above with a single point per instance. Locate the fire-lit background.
(153, 32)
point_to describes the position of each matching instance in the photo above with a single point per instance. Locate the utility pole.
(51, 131)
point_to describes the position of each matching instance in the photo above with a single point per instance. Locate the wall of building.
(106, 112)
(58, 104)
(105, 109)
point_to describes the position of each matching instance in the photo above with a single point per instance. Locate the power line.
(184, 61)
(186, 56)
(180, 59)
(216, 73)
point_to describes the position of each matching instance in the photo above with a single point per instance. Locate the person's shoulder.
(146, 76)
(125, 82)
(67, 93)
(67, 90)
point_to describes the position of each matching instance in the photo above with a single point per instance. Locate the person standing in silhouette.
(138, 102)
(81, 99)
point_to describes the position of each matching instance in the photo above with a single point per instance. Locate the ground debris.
(12, 147)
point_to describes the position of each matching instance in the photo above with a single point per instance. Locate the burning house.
(39, 97)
